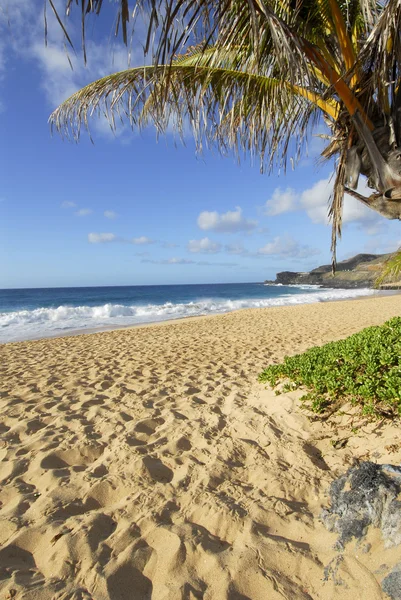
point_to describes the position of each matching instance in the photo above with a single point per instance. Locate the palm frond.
(230, 109)
(212, 57)
(381, 55)
(253, 75)
(345, 43)
(336, 207)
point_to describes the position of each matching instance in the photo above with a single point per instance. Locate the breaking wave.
(44, 322)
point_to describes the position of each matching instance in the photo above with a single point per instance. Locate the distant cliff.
(357, 272)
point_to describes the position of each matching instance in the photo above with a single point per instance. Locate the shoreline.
(149, 458)
(118, 327)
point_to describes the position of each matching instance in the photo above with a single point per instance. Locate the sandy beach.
(148, 463)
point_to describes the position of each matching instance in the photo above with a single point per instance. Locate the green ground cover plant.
(364, 369)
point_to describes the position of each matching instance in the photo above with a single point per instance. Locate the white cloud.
(315, 202)
(230, 222)
(286, 247)
(139, 241)
(204, 246)
(62, 70)
(282, 202)
(185, 261)
(68, 204)
(60, 80)
(101, 238)
(110, 214)
(179, 261)
(235, 249)
(2, 59)
(169, 261)
(14, 15)
(204, 263)
(83, 212)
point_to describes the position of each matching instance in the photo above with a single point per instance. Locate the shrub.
(365, 369)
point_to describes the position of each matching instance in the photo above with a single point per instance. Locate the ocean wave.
(44, 322)
(299, 286)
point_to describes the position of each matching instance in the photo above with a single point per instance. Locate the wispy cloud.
(185, 261)
(110, 214)
(235, 249)
(101, 238)
(142, 240)
(83, 212)
(204, 263)
(286, 247)
(11, 20)
(230, 222)
(378, 245)
(204, 246)
(62, 72)
(173, 261)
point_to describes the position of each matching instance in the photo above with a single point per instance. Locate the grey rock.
(360, 271)
(367, 548)
(392, 583)
(332, 569)
(365, 495)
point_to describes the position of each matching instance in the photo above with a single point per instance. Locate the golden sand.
(148, 463)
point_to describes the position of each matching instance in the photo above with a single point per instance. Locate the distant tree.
(254, 76)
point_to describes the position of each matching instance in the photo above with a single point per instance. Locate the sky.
(131, 209)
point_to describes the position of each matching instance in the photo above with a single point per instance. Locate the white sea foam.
(44, 322)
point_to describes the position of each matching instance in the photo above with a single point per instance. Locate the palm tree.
(256, 76)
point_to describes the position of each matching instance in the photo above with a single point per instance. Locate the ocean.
(37, 313)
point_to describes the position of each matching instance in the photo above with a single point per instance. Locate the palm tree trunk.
(385, 172)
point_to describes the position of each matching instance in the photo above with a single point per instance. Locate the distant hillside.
(357, 272)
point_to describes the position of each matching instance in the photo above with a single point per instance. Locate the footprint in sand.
(14, 559)
(149, 426)
(157, 470)
(125, 416)
(142, 432)
(183, 444)
(96, 401)
(134, 441)
(99, 471)
(124, 580)
(106, 384)
(99, 529)
(74, 457)
(106, 493)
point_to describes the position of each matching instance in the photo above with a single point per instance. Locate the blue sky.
(129, 209)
